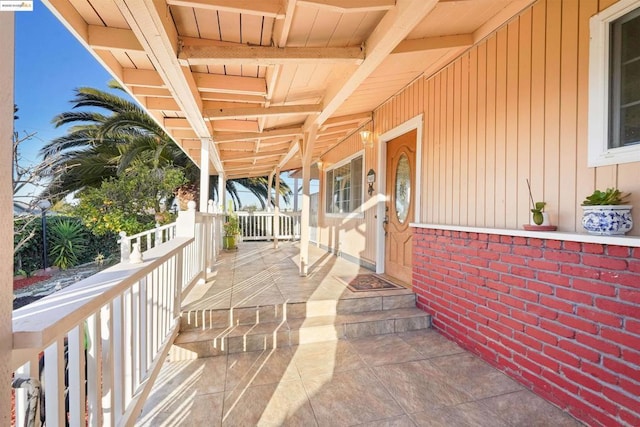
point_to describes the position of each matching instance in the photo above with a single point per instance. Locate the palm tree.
(100, 146)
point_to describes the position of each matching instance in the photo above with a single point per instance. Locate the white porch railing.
(146, 239)
(261, 225)
(103, 339)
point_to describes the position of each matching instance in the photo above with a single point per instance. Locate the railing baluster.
(76, 375)
(94, 370)
(54, 383)
(114, 329)
(127, 346)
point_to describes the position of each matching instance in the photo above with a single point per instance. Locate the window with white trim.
(344, 187)
(614, 85)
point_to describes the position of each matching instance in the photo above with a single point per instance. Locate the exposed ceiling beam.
(252, 112)
(146, 78)
(267, 8)
(234, 97)
(269, 55)
(350, 118)
(235, 126)
(162, 104)
(236, 145)
(151, 91)
(113, 39)
(253, 155)
(350, 6)
(430, 43)
(273, 133)
(176, 123)
(230, 84)
(145, 19)
(390, 31)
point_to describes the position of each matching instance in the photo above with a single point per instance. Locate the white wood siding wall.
(512, 107)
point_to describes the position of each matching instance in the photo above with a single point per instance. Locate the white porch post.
(269, 192)
(6, 211)
(204, 173)
(276, 212)
(295, 194)
(222, 192)
(307, 152)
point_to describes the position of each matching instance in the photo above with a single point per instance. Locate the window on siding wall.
(344, 187)
(614, 97)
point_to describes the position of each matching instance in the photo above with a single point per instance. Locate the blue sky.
(50, 64)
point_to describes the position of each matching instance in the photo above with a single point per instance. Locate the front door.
(401, 170)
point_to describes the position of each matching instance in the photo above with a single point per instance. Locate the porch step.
(291, 331)
(224, 318)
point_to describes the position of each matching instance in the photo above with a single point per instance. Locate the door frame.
(411, 124)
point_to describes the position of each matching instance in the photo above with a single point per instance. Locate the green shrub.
(68, 241)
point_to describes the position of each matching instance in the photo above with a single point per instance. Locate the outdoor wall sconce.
(367, 138)
(371, 179)
(319, 164)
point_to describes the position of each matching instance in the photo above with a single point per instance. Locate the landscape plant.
(68, 241)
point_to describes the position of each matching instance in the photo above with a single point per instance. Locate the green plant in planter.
(612, 196)
(536, 208)
(538, 218)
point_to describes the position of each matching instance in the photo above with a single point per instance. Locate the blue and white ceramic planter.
(607, 219)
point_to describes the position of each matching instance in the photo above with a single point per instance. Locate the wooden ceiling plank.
(430, 43)
(251, 112)
(230, 84)
(268, 8)
(270, 55)
(350, 6)
(273, 133)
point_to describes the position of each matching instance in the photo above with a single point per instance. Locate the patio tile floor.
(416, 378)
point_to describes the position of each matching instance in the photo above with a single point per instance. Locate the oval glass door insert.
(403, 188)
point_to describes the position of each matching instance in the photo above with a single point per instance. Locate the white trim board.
(629, 241)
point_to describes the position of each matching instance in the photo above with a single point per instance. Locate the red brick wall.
(561, 317)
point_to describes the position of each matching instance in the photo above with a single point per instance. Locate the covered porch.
(308, 351)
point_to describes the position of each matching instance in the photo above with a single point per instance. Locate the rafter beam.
(235, 126)
(176, 123)
(273, 133)
(113, 39)
(270, 55)
(230, 84)
(266, 8)
(350, 6)
(233, 97)
(431, 43)
(252, 112)
(253, 155)
(146, 17)
(350, 118)
(145, 78)
(390, 31)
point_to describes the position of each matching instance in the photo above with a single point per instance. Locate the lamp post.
(44, 204)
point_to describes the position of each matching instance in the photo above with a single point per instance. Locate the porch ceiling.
(253, 77)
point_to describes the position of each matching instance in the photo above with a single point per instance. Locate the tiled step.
(223, 318)
(209, 342)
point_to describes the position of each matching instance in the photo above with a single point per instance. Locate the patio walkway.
(411, 378)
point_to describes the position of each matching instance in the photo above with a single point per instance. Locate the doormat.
(367, 282)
